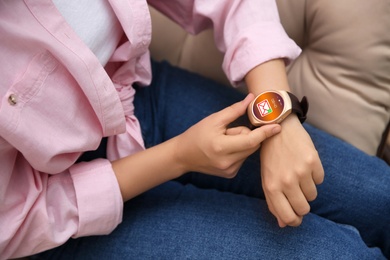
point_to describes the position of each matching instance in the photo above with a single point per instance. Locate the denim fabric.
(204, 217)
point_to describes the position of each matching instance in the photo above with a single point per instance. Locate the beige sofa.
(344, 68)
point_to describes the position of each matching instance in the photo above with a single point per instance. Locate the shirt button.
(12, 99)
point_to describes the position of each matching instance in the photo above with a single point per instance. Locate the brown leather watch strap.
(299, 107)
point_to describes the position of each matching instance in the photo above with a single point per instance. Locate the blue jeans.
(204, 217)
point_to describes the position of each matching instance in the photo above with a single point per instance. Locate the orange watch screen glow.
(268, 106)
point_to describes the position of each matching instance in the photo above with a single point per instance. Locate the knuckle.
(230, 174)
(271, 209)
(223, 165)
(312, 196)
(271, 188)
(297, 222)
(290, 220)
(304, 210)
(311, 159)
(216, 147)
(293, 221)
(252, 141)
(288, 182)
(301, 173)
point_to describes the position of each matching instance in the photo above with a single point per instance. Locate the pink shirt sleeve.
(43, 211)
(44, 197)
(248, 32)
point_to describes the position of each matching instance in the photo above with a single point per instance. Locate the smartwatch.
(274, 106)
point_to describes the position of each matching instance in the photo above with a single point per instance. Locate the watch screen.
(268, 106)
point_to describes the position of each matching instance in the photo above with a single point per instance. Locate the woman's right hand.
(208, 147)
(211, 147)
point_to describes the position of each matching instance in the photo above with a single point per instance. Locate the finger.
(281, 223)
(297, 201)
(266, 131)
(238, 130)
(231, 113)
(318, 172)
(309, 189)
(273, 212)
(284, 210)
(248, 141)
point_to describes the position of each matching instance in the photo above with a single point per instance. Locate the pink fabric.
(57, 101)
(248, 32)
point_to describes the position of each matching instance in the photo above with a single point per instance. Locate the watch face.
(268, 106)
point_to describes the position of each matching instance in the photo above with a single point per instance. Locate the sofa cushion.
(344, 68)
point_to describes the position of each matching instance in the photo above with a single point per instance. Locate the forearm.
(142, 171)
(267, 76)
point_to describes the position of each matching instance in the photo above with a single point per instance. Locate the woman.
(73, 76)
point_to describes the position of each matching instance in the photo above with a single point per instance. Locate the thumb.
(261, 133)
(234, 111)
(245, 140)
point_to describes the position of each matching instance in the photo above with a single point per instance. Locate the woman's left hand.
(290, 170)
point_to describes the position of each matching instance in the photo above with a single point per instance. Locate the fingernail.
(276, 130)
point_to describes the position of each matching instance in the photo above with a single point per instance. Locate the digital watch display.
(275, 105)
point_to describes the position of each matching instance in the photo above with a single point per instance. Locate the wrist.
(146, 169)
(179, 156)
(291, 120)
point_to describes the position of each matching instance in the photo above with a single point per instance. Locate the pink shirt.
(57, 101)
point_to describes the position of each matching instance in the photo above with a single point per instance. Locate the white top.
(95, 23)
